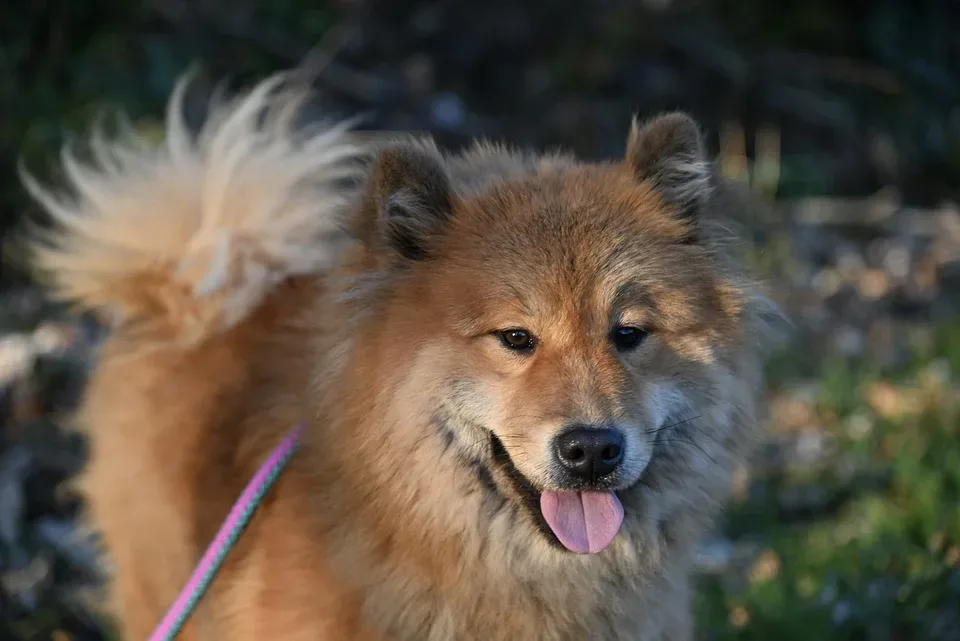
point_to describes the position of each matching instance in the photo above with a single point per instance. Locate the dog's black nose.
(589, 453)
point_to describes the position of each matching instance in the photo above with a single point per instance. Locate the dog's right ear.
(411, 198)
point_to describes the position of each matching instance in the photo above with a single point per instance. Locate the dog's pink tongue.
(585, 522)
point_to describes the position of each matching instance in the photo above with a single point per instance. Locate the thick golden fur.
(262, 276)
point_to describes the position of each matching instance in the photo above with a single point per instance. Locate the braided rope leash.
(230, 531)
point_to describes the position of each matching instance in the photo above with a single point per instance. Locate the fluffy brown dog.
(525, 380)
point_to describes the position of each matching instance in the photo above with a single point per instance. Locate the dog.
(524, 379)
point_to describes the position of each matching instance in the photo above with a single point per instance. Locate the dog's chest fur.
(500, 601)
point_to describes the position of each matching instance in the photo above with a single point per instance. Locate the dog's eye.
(626, 338)
(519, 340)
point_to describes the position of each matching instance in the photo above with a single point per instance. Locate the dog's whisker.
(672, 425)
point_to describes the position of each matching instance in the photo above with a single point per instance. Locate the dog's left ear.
(668, 152)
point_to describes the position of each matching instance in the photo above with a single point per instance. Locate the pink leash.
(227, 536)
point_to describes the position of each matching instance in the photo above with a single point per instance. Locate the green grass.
(886, 564)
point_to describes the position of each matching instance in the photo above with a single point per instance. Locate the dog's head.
(573, 315)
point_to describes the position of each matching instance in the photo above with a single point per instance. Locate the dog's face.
(576, 316)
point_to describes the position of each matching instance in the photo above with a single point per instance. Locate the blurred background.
(844, 116)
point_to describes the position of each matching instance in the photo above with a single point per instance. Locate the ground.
(847, 525)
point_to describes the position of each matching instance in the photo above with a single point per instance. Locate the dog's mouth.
(584, 521)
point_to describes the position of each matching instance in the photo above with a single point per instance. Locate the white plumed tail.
(184, 237)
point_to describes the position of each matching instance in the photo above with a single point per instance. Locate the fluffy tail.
(183, 238)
